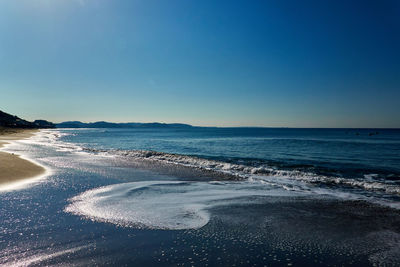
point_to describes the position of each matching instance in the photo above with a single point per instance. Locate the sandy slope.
(12, 167)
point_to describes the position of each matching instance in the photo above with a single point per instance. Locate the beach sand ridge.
(12, 167)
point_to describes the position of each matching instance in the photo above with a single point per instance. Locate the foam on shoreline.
(369, 188)
(167, 205)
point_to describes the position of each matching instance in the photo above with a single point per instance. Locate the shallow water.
(114, 205)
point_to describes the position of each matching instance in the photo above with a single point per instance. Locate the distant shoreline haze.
(12, 121)
(104, 124)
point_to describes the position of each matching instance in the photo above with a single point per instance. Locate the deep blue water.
(206, 197)
(344, 151)
(359, 155)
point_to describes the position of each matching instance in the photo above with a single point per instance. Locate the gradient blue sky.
(225, 63)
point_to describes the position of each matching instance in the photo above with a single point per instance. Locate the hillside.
(103, 124)
(11, 121)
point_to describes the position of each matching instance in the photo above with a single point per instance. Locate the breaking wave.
(260, 173)
(250, 172)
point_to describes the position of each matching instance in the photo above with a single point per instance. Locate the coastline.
(14, 169)
(137, 213)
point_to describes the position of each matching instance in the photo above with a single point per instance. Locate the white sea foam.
(163, 205)
(22, 184)
(249, 172)
(175, 205)
(37, 259)
(51, 138)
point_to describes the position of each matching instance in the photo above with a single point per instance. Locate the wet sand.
(12, 167)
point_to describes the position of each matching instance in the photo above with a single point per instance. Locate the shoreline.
(15, 170)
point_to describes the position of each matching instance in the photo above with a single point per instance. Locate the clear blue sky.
(225, 63)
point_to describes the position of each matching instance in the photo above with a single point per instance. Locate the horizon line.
(214, 126)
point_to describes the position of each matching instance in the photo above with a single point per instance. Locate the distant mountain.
(8, 120)
(104, 124)
(44, 124)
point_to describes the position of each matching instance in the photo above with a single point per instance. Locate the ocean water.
(206, 196)
(366, 162)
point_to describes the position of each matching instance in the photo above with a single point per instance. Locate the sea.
(204, 196)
